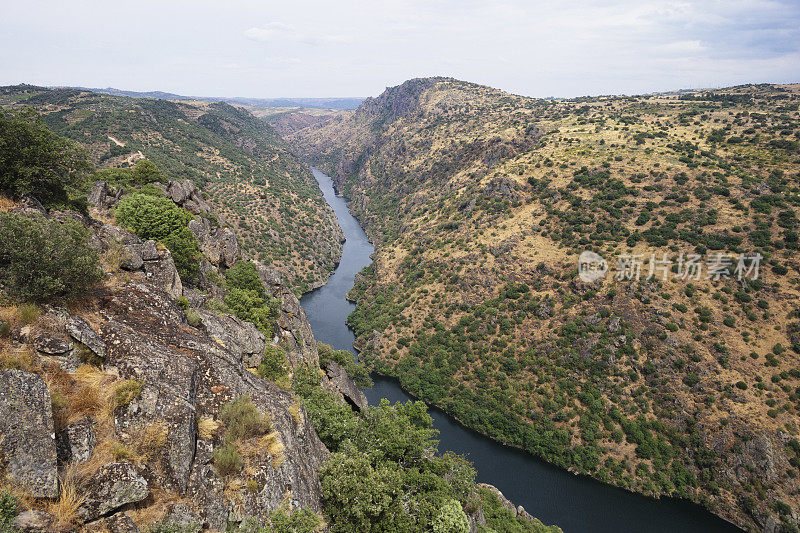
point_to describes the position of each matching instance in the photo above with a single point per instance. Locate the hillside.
(480, 202)
(253, 180)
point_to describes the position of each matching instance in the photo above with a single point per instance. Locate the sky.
(296, 48)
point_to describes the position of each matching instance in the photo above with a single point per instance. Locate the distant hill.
(314, 103)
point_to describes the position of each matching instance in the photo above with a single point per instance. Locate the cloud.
(269, 32)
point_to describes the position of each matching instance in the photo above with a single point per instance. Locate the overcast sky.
(357, 48)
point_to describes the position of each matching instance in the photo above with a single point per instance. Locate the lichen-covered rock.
(114, 485)
(240, 337)
(103, 196)
(26, 426)
(344, 385)
(80, 330)
(218, 244)
(116, 523)
(161, 271)
(52, 345)
(76, 442)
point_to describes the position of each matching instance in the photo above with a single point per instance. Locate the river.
(555, 496)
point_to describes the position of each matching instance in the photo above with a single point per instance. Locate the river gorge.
(555, 496)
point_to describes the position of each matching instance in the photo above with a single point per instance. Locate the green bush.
(273, 363)
(248, 299)
(451, 519)
(9, 507)
(158, 218)
(227, 459)
(34, 160)
(43, 260)
(242, 420)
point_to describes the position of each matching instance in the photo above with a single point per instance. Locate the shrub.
(451, 519)
(248, 305)
(242, 420)
(126, 391)
(193, 318)
(9, 507)
(227, 459)
(273, 363)
(42, 259)
(158, 218)
(34, 160)
(142, 173)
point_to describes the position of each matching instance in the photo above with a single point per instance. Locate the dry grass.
(207, 427)
(7, 204)
(294, 410)
(65, 508)
(21, 358)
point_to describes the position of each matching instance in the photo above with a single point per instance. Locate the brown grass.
(207, 427)
(65, 508)
(7, 204)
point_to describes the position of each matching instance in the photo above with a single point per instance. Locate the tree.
(158, 218)
(43, 259)
(36, 161)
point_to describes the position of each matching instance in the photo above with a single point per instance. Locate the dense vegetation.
(247, 298)
(385, 473)
(480, 203)
(255, 183)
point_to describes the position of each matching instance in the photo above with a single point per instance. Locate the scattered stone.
(33, 520)
(52, 345)
(26, 423)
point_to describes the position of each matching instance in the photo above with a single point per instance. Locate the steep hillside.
(480, 203)
(255, 183)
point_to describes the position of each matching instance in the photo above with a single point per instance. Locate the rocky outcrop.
(345, 386)
(114, 485)
(103, 196)
(294, 332)
(240, 337)
(80, 330)
(186, 194)
(26, 433)
(218, 244)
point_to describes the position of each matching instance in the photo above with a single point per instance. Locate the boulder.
(133, 259)
(345, 385)
(240, 337)
(52, 345)
(26, 423)
(103, 196)
(187, 195)
(80, 330)
(219, 245)
(114, 485)
(116, 523)
(76, 441)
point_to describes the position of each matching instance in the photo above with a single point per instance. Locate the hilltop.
(480, 202)
(254, 181)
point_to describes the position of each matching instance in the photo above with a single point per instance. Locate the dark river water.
(553, 495)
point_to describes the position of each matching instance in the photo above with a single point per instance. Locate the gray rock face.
(187, 376)
(114, 485)
(103, 196)
(51, 345)
(219, 245)
(116, 523)
(76, 441)
(344, 385)
(240, 337)
(80, 330)
(26, 424)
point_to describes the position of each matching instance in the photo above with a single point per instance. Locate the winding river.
(555, 496)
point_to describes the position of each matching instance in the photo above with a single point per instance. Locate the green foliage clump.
(42, 260)
(451, 519)
(242, 420)
(158, 218)
(142, 173)
(248, 299)
(358, 371)
(36, 161)
(273, 363)
(9, 508)
(227, 459)
(126, 391)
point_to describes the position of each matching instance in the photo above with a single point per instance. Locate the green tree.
(43, 259)
(451, 519)
(159, 218)
(36, 161)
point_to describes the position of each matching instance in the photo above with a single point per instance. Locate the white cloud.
(269, 32)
